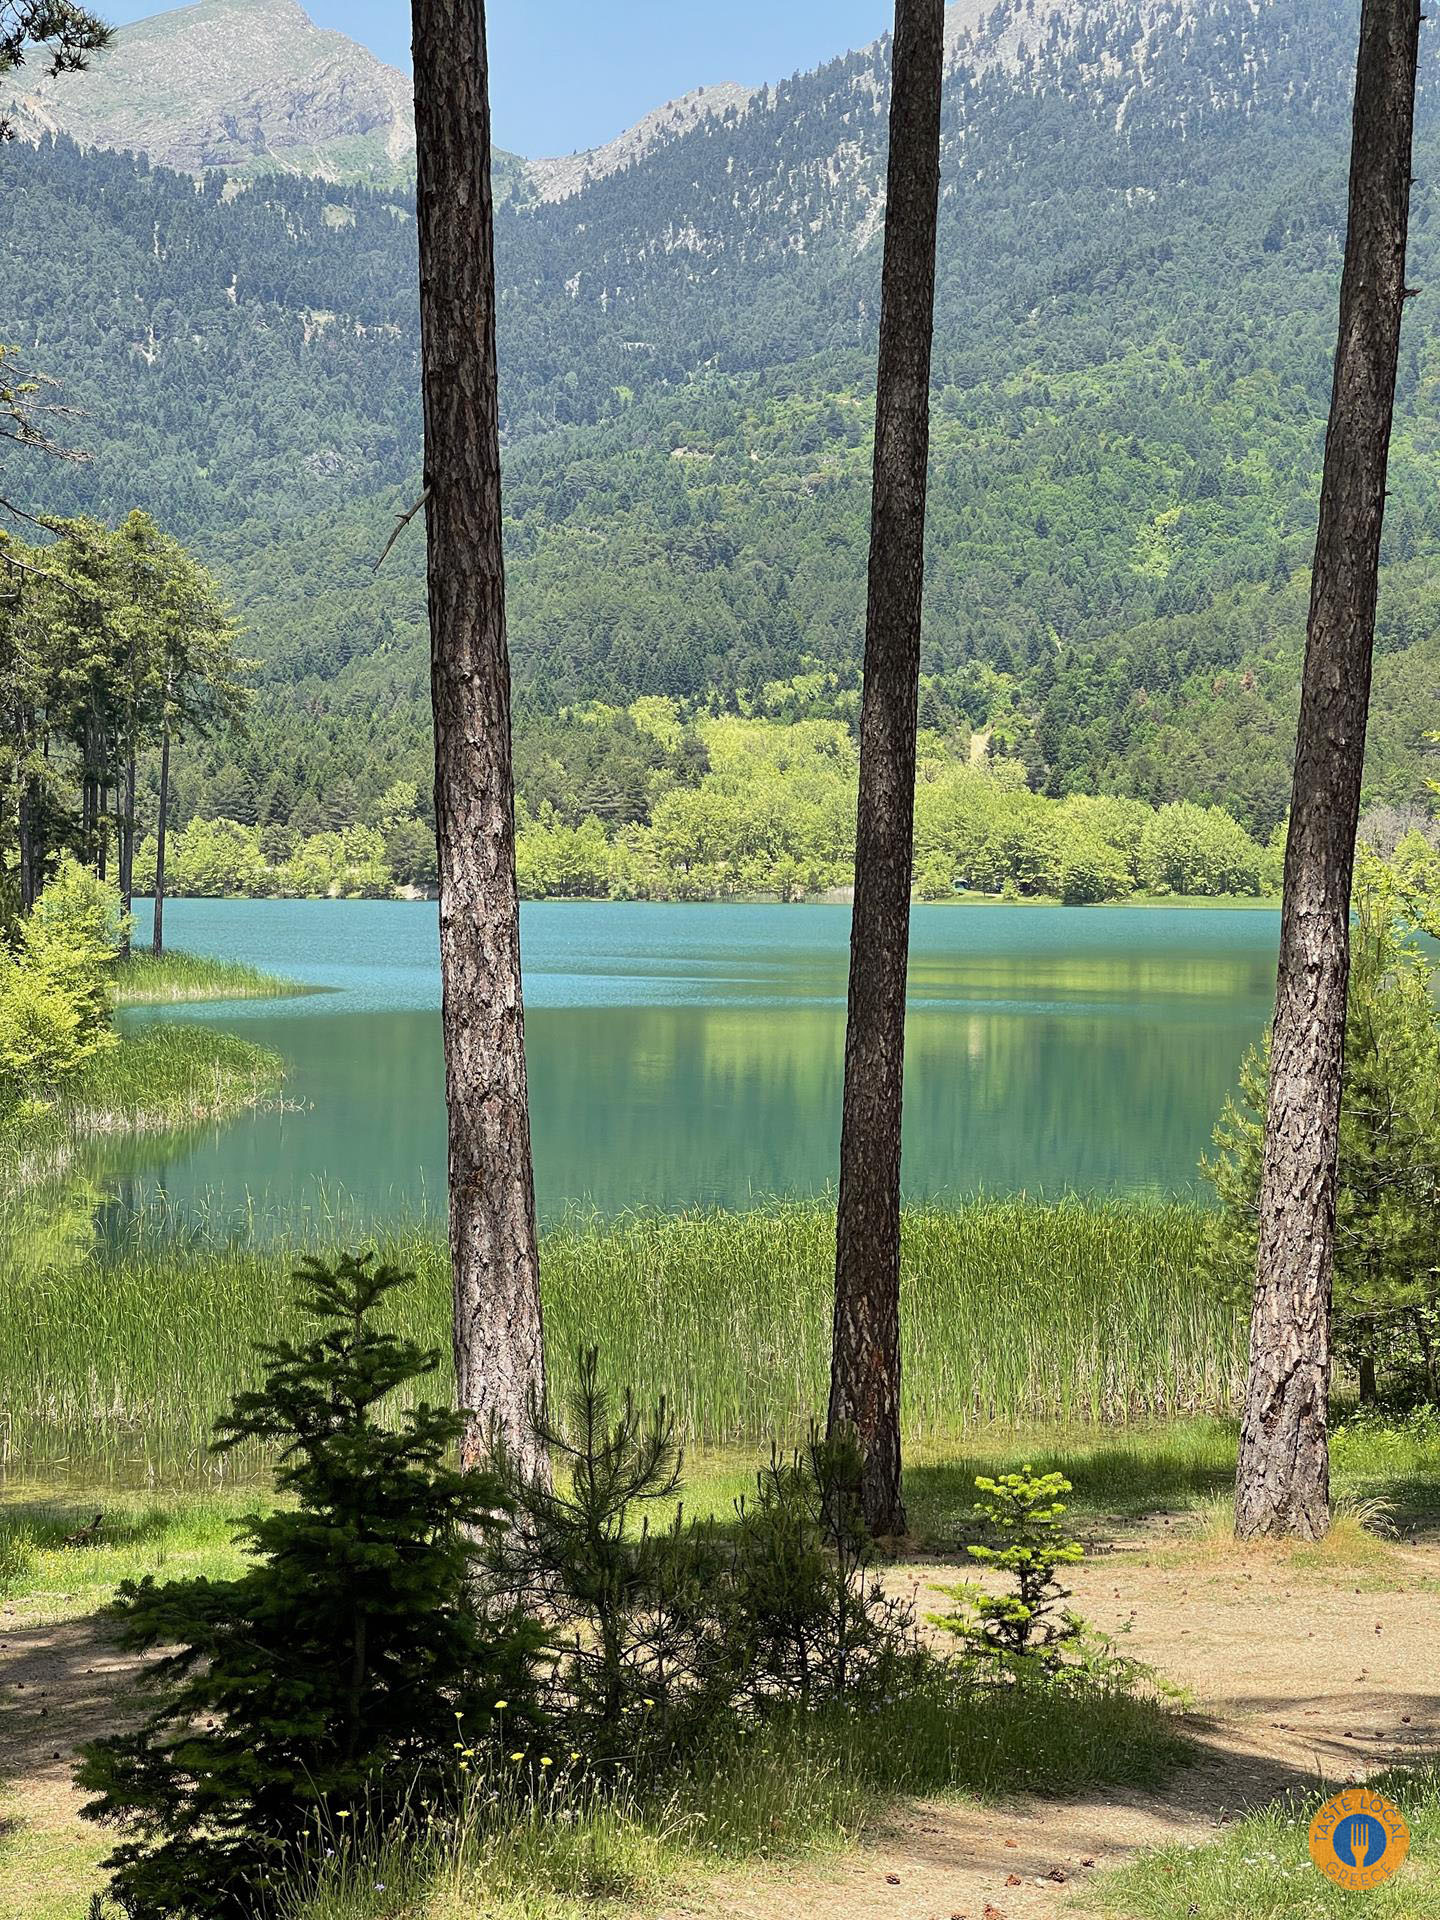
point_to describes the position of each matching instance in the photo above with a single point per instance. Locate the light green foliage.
(214, 859)
(55, 987)
(1387, 1254)
(775, 813)
(634, 804)
(1025, 1632)
(1091, 870)
(1190, 849)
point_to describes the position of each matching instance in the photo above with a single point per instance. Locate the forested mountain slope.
(1140, 249)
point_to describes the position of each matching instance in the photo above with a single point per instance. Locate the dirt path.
(61, 1683)
(1294, 1677)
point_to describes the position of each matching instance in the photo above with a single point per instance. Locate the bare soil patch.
(1295, 1677)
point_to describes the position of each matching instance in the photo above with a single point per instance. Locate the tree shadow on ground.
(1127, 1480)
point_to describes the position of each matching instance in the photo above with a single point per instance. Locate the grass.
(1260, 1869)
(784, 1788)
(1181, 1467)
(170, 1535)
(1361, 1538)
(1015, 1312)
(163, 1080)
(176, 978)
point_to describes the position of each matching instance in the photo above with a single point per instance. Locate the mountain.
(1140, 244)
(557, 179)
(249, 85)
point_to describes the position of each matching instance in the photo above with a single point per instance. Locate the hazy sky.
(574, 73)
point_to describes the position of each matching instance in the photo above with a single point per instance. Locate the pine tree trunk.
(157, 930)
(865, 1356)
(29, 838)
(1282, 1483)
(1369, 1385)
(126, 854)
(499, 1358)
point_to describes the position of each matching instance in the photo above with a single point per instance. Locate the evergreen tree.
(335, 1670)
(1282, 1476)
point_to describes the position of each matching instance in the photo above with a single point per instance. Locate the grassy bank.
(1014, 1311)
(1260, 1868)
(781, 1789)
(175, 979)
(163, 1080)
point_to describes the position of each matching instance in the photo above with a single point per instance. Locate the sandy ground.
(1295, 1677)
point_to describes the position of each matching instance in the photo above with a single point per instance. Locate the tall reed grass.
(176, 978)
(165, 1079)
(1077, 1311)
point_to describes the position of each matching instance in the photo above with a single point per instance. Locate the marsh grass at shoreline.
(1075, 1311)
(178, 978)
(165, 1079)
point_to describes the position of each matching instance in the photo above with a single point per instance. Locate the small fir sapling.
(1026, 1632)
(336, 1669)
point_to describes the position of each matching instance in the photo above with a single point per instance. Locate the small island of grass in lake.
(143, 979)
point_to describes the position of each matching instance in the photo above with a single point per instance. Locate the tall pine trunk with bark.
(1282, 1481)
(865, 1355)
(499, 1358)
(126, 854)
(157, 929)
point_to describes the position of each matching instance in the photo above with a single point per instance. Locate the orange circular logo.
(1358, 1839)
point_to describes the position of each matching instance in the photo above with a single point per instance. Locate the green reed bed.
(162, 1080)
(1014, 1311)
(176, 978)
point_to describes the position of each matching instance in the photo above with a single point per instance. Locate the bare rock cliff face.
(250, 85)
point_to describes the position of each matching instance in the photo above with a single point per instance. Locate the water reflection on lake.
(692, 1054)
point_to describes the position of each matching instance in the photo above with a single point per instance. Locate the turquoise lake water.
(685, 1055)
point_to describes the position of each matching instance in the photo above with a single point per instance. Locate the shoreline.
(838, 897)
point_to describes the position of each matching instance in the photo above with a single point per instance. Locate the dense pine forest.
(1138, 251)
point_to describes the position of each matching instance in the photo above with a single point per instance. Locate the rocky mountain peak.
(249, 85)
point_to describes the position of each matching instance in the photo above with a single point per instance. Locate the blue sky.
(574, 73)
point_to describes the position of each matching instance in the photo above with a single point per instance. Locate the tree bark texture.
(865, 1355)
(125, 826)
(499, 1358)
(157, 930)
(1283, 1477)
(29, 842)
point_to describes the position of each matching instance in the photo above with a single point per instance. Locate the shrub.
(339, 1665)
(662, 1636)
(624, 1603)
(54, 986)
(1026, 1632)
(800, 1618)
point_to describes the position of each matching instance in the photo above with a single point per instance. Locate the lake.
(687, 1055)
